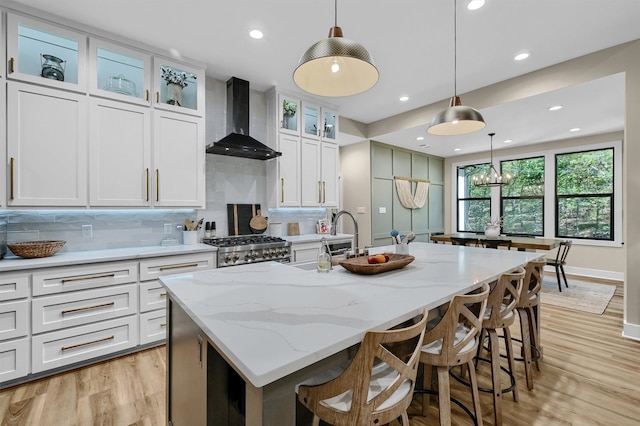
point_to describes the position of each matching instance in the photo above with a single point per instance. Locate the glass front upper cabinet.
(178, 87)
(119, 73)
(311, 121)
(41, 53)
(288, 115)
(330, 125)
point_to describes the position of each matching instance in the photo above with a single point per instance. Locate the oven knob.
(249, 256)
(278, 252)
(267, 253)
(227, 259)
(235, 257)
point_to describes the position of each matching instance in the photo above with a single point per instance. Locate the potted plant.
(176, 81)
(492, 229)
(289, 110)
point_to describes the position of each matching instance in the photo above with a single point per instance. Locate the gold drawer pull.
(79, 345)
(282, 190)
(163, 294)
(164, 324)
(86, 308)
(190, 265)
(157, 185)
(146, 95)
(11, 63)
(11, 177)
(147, 175)
(93, 277)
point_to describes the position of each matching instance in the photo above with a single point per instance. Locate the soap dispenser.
(324, 257)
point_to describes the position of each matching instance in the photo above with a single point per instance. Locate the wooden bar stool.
(376, 387)
(454, 342)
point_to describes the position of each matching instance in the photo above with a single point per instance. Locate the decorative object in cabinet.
(46, 54)
(319, 123)
(178, 87)
(119, 73)
(288, 115)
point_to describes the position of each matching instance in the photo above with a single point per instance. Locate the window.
(474, 204)
(522, 202)
(584, 194)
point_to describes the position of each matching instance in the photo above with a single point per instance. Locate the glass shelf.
(178, 87)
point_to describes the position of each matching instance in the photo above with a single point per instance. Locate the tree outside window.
(584, 194)
(522, 202)
(474, 204)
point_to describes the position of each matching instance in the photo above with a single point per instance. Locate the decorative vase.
(492, 231)
(174, 94)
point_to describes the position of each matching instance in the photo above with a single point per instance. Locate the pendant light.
(336, 66)
(493, 178)
(457, 119)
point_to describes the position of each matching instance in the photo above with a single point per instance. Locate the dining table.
(519, 242)
(239, 340)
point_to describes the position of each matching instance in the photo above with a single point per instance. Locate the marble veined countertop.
(14, 263)
(312, 238)
(271, 319)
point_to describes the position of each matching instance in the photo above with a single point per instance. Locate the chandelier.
(492, 178)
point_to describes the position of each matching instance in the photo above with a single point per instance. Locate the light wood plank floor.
(590, 376)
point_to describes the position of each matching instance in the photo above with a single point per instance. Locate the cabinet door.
(329, 125)
(119, 73)
(289, 171)
(178, 87)
(45, 54)
(178, 160)
(330, 181)
(311, 121)
(310, 181)
(120, 154)
(288, 115)
(3, 134)
(47, 130)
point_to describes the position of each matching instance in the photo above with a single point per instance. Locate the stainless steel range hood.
(238, 143)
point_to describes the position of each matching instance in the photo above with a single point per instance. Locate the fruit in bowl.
(378, 258)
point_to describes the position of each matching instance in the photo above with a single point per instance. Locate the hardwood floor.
(590, 376)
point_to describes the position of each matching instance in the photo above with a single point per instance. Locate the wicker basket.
(35, 249)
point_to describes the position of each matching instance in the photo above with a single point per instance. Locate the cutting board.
(239, 216)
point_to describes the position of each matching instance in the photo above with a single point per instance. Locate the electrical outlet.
(167, 228)
(87, 231)
(361, 210)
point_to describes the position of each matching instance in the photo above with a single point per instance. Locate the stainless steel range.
(245, 249)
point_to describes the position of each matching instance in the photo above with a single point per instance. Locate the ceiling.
(412, 45)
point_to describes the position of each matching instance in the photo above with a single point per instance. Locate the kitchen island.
(240, 339)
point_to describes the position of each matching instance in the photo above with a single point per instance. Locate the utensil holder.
(189, 237)
(402, 248)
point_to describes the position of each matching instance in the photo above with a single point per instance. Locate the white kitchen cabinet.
(14, 319)
(47, 146)
(178, 87)
(14, 286)
(14, 359)
(320, 123)
(319, 173)
(120, 154)
(3, 123)
(305, 252)
(45, 54)
(119, 73)
(288, 183)
(82, 277)
(153, 326)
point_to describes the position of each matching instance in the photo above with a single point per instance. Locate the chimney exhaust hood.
(238, 143)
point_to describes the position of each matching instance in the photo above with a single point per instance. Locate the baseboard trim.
(590, 273)
(631, 331)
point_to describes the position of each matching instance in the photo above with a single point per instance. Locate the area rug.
(580, 296)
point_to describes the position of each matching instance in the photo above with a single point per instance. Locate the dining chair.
(453, 341)
(559, 261)
(494, 244)
(377, 385)
(460, 241)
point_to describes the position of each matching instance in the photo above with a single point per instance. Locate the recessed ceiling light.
(575, 129)
(475, 4)
(508, 141)
(456, 149)
(555, 107)
(521, 56)
(420, 138)
(404, 98)
(257, 34)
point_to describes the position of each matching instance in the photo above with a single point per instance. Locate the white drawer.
(151, 269)
(153, 296)
(14, 319)
(14, 286)
(59, 280)
(153, 326)
(82, 307)
(60, 348)
(14, 359)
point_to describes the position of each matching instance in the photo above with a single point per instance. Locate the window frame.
(457, 201)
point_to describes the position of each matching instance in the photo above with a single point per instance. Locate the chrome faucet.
(355, 227)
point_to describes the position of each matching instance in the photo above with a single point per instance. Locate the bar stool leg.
(475, 396)
(494, 347)
(511, 358)
(525, 328)
(534, 331)
(444, 402)
(426, 384)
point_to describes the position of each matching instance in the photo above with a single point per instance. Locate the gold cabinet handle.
(92, 277)
(147, 174)
(282, 190)
(166, 268)
(157, 185)
(163, 324)
(79, 345)
(324, 192)
(165, 293)
(87, 308)
(146, 95)
(11, 62)
(157, 97)
(11, 178)
(319, 191)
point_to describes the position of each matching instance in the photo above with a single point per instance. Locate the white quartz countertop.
(312, 238)
(14, 263)
(271, 319)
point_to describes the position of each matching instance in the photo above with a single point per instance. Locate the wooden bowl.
(360, 265)
(36, 249)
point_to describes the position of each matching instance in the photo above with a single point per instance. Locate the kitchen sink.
(307, 266)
